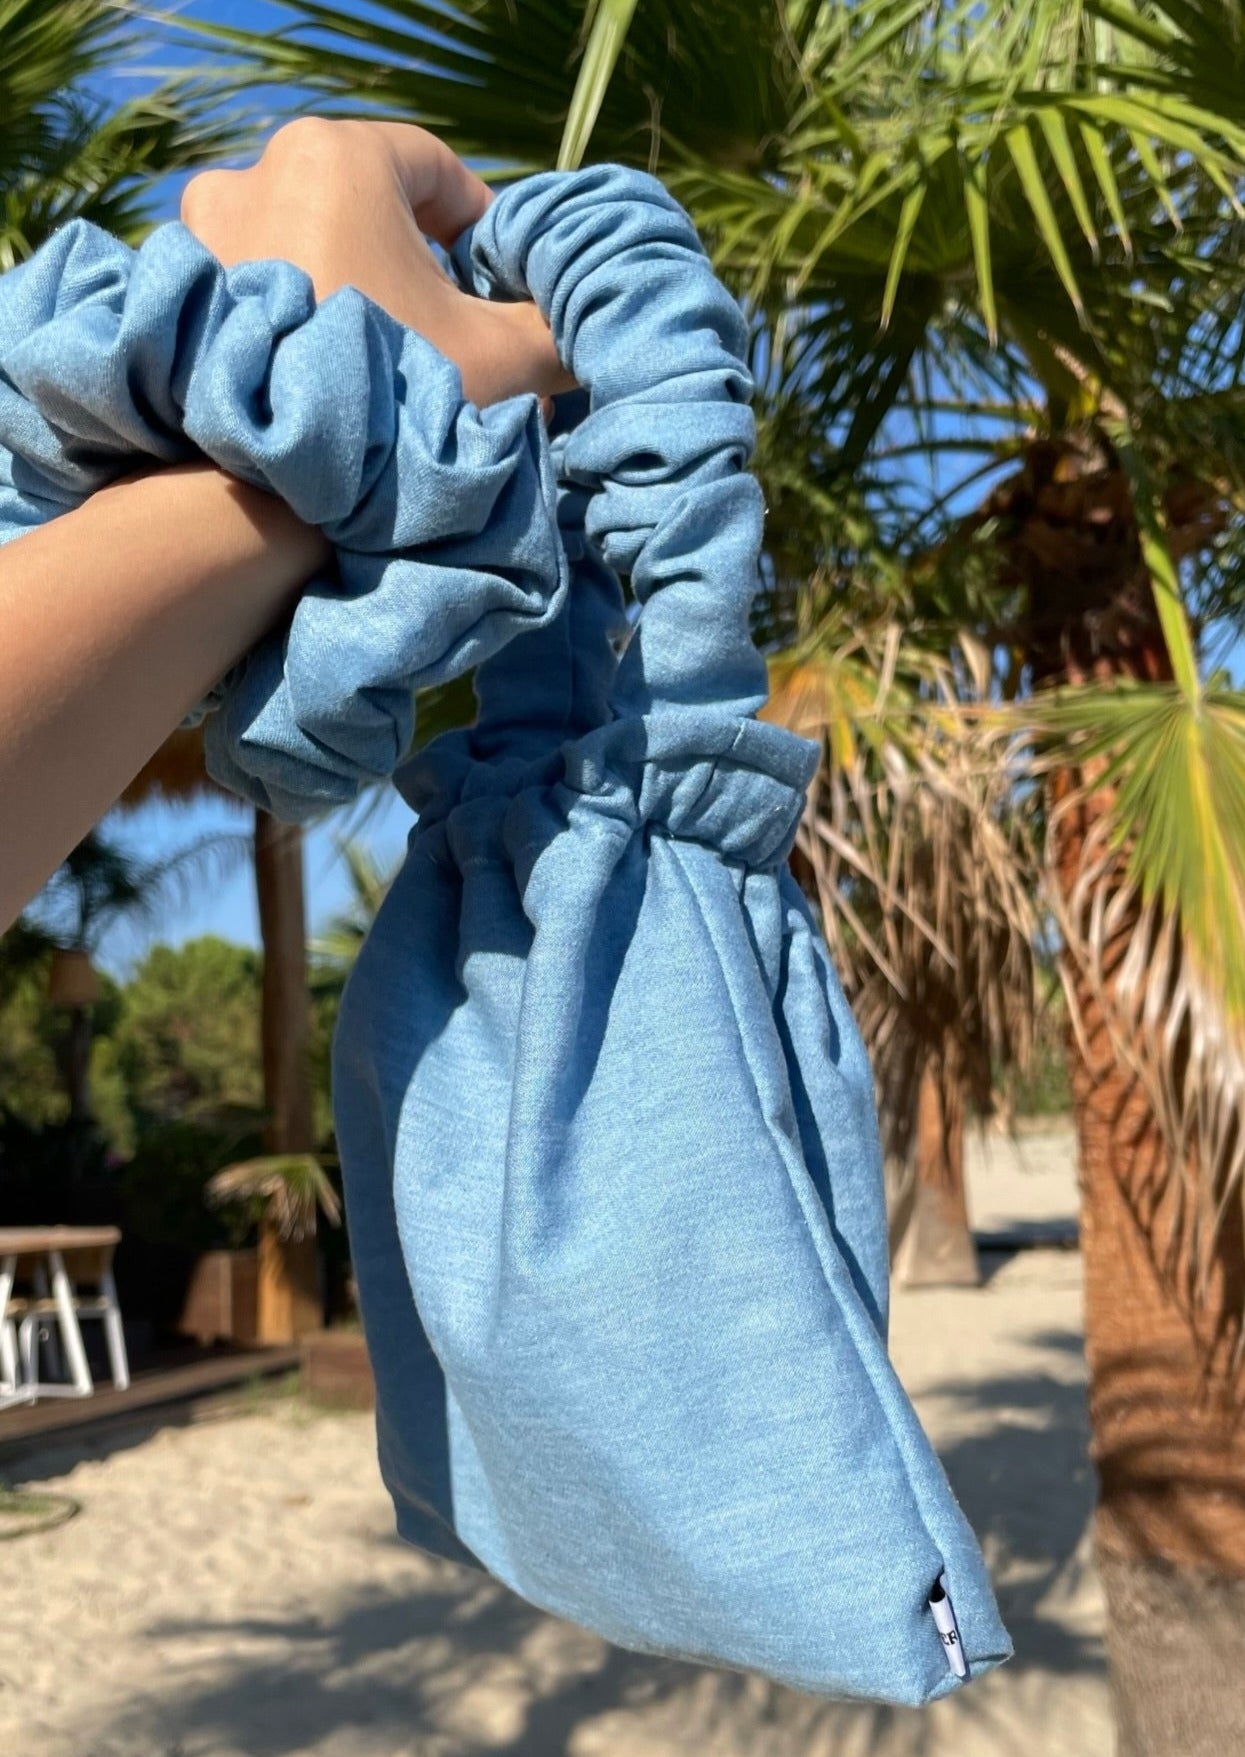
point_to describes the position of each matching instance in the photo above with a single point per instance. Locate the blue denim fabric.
(109, 357)
(607, 1126)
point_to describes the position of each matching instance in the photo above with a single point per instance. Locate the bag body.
(610, 1156)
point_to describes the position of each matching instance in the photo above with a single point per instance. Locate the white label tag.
(948, 1629)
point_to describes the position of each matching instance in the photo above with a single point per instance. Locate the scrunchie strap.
(640, 318)
(442, 515)
(557, 684)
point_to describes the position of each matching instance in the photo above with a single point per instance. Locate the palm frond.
(1174, 771)
(102, 883)
(334, 950)
(66, 152)
(938, 188)
(605, 24)
(924, 859)
(1166, 1022)
(1146, 857)
(289, 1188)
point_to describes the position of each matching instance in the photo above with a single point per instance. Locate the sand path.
(232, 1589)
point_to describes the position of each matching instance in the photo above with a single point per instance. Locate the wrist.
(506, 351)
(236, 528)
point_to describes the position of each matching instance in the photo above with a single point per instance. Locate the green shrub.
(164, 1185)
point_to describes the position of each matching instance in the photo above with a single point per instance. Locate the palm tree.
(177, 771)
(98, 886)
(65, 151)
(335, 949)
(923, 862)
(285, 1192)
(993, 247)
(290, 1189)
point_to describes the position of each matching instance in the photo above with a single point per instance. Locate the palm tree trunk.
(937, 1246)
(289, 1292)
(1168, 1439)
(77, 1064)
(1168, 1433)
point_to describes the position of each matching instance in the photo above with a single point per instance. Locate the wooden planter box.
(337, 1371)
(222, 1300)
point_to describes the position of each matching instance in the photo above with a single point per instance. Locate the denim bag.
(606, 1124)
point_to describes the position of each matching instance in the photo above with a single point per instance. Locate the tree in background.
(30, 1084)
(993, 251)
(32, 1087)
(66, 152)
(176, 1067)
(187, 1036)
(292, 1051)
(334, 950)
(99, 887)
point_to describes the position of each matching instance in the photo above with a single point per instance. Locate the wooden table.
(49, 1246)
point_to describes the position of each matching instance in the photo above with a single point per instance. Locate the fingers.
(444, 195)
(205, 199)
(354, 203)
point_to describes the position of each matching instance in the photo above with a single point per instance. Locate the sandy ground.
(232, 1589)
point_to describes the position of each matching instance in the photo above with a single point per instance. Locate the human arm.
(114, 625)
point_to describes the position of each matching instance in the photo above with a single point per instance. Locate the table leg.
(13, 1391)
(47, 1337)
(114, 1332)
(8, 1353)
(62, 1293)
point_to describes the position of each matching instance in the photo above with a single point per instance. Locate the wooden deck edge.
(1055, 1235)
(33, 1429)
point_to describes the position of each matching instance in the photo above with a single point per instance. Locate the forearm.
(116, 619)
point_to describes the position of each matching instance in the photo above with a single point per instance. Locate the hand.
(352, 203)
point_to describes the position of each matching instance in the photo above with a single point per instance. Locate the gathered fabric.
(111, 356)
(606, 1124)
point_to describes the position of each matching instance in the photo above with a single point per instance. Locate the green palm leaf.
(606, 24)
(64, 152)
(1166, 866)
(1176, 768)
(334, 950)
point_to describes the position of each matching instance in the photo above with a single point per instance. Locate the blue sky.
(227, 906)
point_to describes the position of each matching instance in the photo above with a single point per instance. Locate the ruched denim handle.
(639, 317)
(443, 517)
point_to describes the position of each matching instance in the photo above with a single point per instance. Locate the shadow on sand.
(456, 1665)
